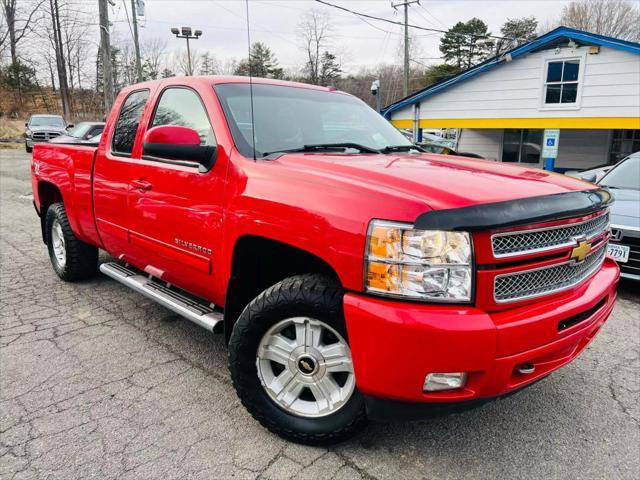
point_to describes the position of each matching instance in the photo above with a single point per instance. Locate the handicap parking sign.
(550, 143)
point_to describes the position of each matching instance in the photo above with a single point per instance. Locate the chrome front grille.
(543, 281)
(541, 239)
(44, 136)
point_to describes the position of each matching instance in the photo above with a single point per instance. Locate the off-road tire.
(27, 148)
(81, 258)
(311, 295)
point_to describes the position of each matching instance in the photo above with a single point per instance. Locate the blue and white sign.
(550, 143)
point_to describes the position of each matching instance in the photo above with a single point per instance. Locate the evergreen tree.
(436, 73)
(465, 44)
(166, 73)
(329, 69)
(261, 63)
(517, 31)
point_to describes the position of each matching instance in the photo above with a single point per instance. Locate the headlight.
(28, 133)
(421, 264)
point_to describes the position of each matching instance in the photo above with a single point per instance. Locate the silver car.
(42, 128)
(624, 182)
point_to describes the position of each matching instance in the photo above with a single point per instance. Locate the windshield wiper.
(324, 146)
(401, 148)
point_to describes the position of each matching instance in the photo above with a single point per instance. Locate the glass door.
(522, 146)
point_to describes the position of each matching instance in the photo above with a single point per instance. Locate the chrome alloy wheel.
(57, 239)
(305, 366)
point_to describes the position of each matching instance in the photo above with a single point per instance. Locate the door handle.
(142, 185)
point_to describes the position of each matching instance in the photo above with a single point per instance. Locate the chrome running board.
(175, 301)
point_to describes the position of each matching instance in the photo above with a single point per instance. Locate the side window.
(182, 106)
(125, 132)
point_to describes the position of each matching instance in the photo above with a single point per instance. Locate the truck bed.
(67, 169)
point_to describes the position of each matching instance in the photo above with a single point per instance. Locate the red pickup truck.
(353, 275)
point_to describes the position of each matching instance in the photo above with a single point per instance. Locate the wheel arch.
(259, 262)
(48, 194)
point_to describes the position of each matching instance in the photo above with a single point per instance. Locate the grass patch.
(11, 130)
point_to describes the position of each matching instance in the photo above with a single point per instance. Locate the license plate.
(620, 253)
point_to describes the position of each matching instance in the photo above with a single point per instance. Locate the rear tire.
(324, 407)
(71, 258)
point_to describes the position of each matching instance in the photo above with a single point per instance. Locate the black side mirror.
(26, 124)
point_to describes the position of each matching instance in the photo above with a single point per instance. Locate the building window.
(623, 144)
(521, 145)
(561, 85)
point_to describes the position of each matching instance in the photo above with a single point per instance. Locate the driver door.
(176, 209)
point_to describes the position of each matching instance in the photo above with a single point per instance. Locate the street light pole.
(187, 34)
(189, 57)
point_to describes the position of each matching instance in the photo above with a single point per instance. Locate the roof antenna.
(253, 122)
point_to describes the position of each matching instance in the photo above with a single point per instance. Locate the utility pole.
(405, 4)
(136, 43)
(105, 49)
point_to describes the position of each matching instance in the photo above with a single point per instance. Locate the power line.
(418, 27)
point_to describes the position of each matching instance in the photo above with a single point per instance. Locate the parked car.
(352, 275)
(42, 128)
(624, 247)
(592, 175)
(435, 139)
(82, 133)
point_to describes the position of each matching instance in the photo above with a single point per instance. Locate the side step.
(182, 305)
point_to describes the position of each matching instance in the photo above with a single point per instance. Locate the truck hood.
(440, 181)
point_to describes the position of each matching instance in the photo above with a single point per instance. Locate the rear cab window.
(124, 135)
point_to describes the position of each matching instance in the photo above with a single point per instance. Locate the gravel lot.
(98, 382)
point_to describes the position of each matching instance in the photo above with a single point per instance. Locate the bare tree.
(229, 66)
(314, 31)
(181, 62)
(614, 18)
(20, 21)
(60, 58)
(153, 53)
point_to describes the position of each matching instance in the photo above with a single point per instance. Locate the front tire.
(27, 148)
(291, 365)
(71, 258)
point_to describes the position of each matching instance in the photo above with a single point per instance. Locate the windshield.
(47, 122)
(288, 118)
(80, 130)
(625, 175)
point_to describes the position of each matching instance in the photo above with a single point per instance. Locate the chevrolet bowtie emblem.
(581, 251)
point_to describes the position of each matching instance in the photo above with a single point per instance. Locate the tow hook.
(525, 368)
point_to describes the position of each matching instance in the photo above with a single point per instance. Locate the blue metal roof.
(547, 38)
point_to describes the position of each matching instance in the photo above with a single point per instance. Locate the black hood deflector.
(523, 211)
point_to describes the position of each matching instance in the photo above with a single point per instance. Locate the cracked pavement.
(96, 381)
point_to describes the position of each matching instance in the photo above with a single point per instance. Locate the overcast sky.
(358, 43)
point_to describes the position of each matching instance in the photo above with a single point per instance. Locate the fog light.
(435, 382)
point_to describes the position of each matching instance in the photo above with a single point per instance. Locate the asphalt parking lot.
(98, 382)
